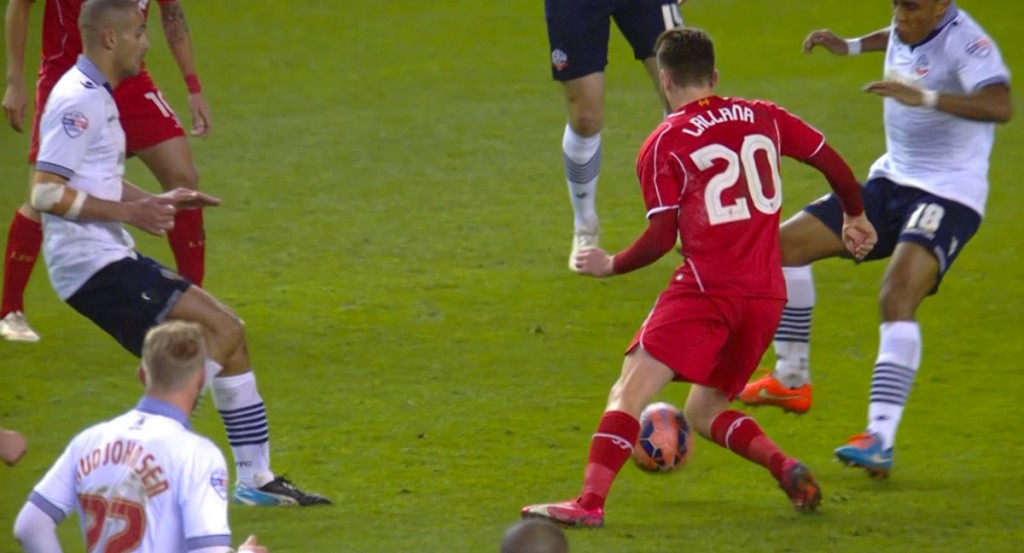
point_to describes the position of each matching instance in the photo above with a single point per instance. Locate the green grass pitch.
(394, 232)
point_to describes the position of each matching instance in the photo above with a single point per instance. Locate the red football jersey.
(717, 161)
(62, 42)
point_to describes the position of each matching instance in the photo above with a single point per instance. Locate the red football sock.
(188, 243)
(611, 446)
(23, 243)
(741, 434)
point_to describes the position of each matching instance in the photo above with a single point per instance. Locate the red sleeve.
(840, 178)
(656, 241)
(797, 139)
(660, 172)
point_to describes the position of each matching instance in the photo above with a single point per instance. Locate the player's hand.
(593, 262)
(827, 40)
(15, 103)
(859, 235)
(201, 122)
(12, 446)
(153, 214)
(250, 546)
(900, 92)
(184, 198)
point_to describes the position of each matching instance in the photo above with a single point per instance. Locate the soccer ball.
(665, 439)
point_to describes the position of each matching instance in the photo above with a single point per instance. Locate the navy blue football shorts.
(578, 31)
(128, 297)
(907, 214)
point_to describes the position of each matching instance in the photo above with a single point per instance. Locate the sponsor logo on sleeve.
(75, 123)
(979, 48)
(219, 482)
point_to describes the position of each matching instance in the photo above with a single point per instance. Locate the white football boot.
(15, 328)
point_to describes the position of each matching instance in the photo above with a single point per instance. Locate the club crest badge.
(75, 123)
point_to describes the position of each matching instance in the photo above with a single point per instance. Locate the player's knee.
(698, 419)
(227, 335)
(897, 300)
(622, 399)
(183, 176)
(585, 120)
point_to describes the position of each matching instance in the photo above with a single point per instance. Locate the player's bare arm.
(51, 194)
(172, 17)
(992, 103)
(877, 41)
(15, 102)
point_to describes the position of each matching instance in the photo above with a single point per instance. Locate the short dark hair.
(97, 13)
(687, 54)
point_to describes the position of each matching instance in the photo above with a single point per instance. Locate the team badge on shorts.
(559, 59)
(75, 123)
(219, 482)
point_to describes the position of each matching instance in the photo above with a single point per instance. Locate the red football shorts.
(709, 340)
(147, 119)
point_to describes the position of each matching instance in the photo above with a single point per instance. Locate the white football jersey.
(142, 482)
(943, 154)
(80, 139)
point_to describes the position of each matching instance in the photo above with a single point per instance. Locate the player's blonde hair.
(172, 354)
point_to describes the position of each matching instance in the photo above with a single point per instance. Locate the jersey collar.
(85, 65)
(155, 406)
(951, 12)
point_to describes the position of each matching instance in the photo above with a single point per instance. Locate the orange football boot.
(767, 390)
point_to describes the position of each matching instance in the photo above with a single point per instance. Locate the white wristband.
(853, 47)
(930, 99)
(76, 206)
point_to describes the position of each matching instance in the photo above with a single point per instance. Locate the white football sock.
(899, 356)
(793, 338)
(582, 157)
(212, 369)
(245, 419)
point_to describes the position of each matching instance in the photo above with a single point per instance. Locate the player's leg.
(707, 407)
(680, 339)
(154, 134)
(808, 236)
(911, 274)
(24, 240)
(642, 378)
(804, 238)
(578, 39)
(708, 413)
(239, 402)
(641, 22)
(934, 233)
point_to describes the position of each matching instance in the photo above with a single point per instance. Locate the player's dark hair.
(688, 55)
